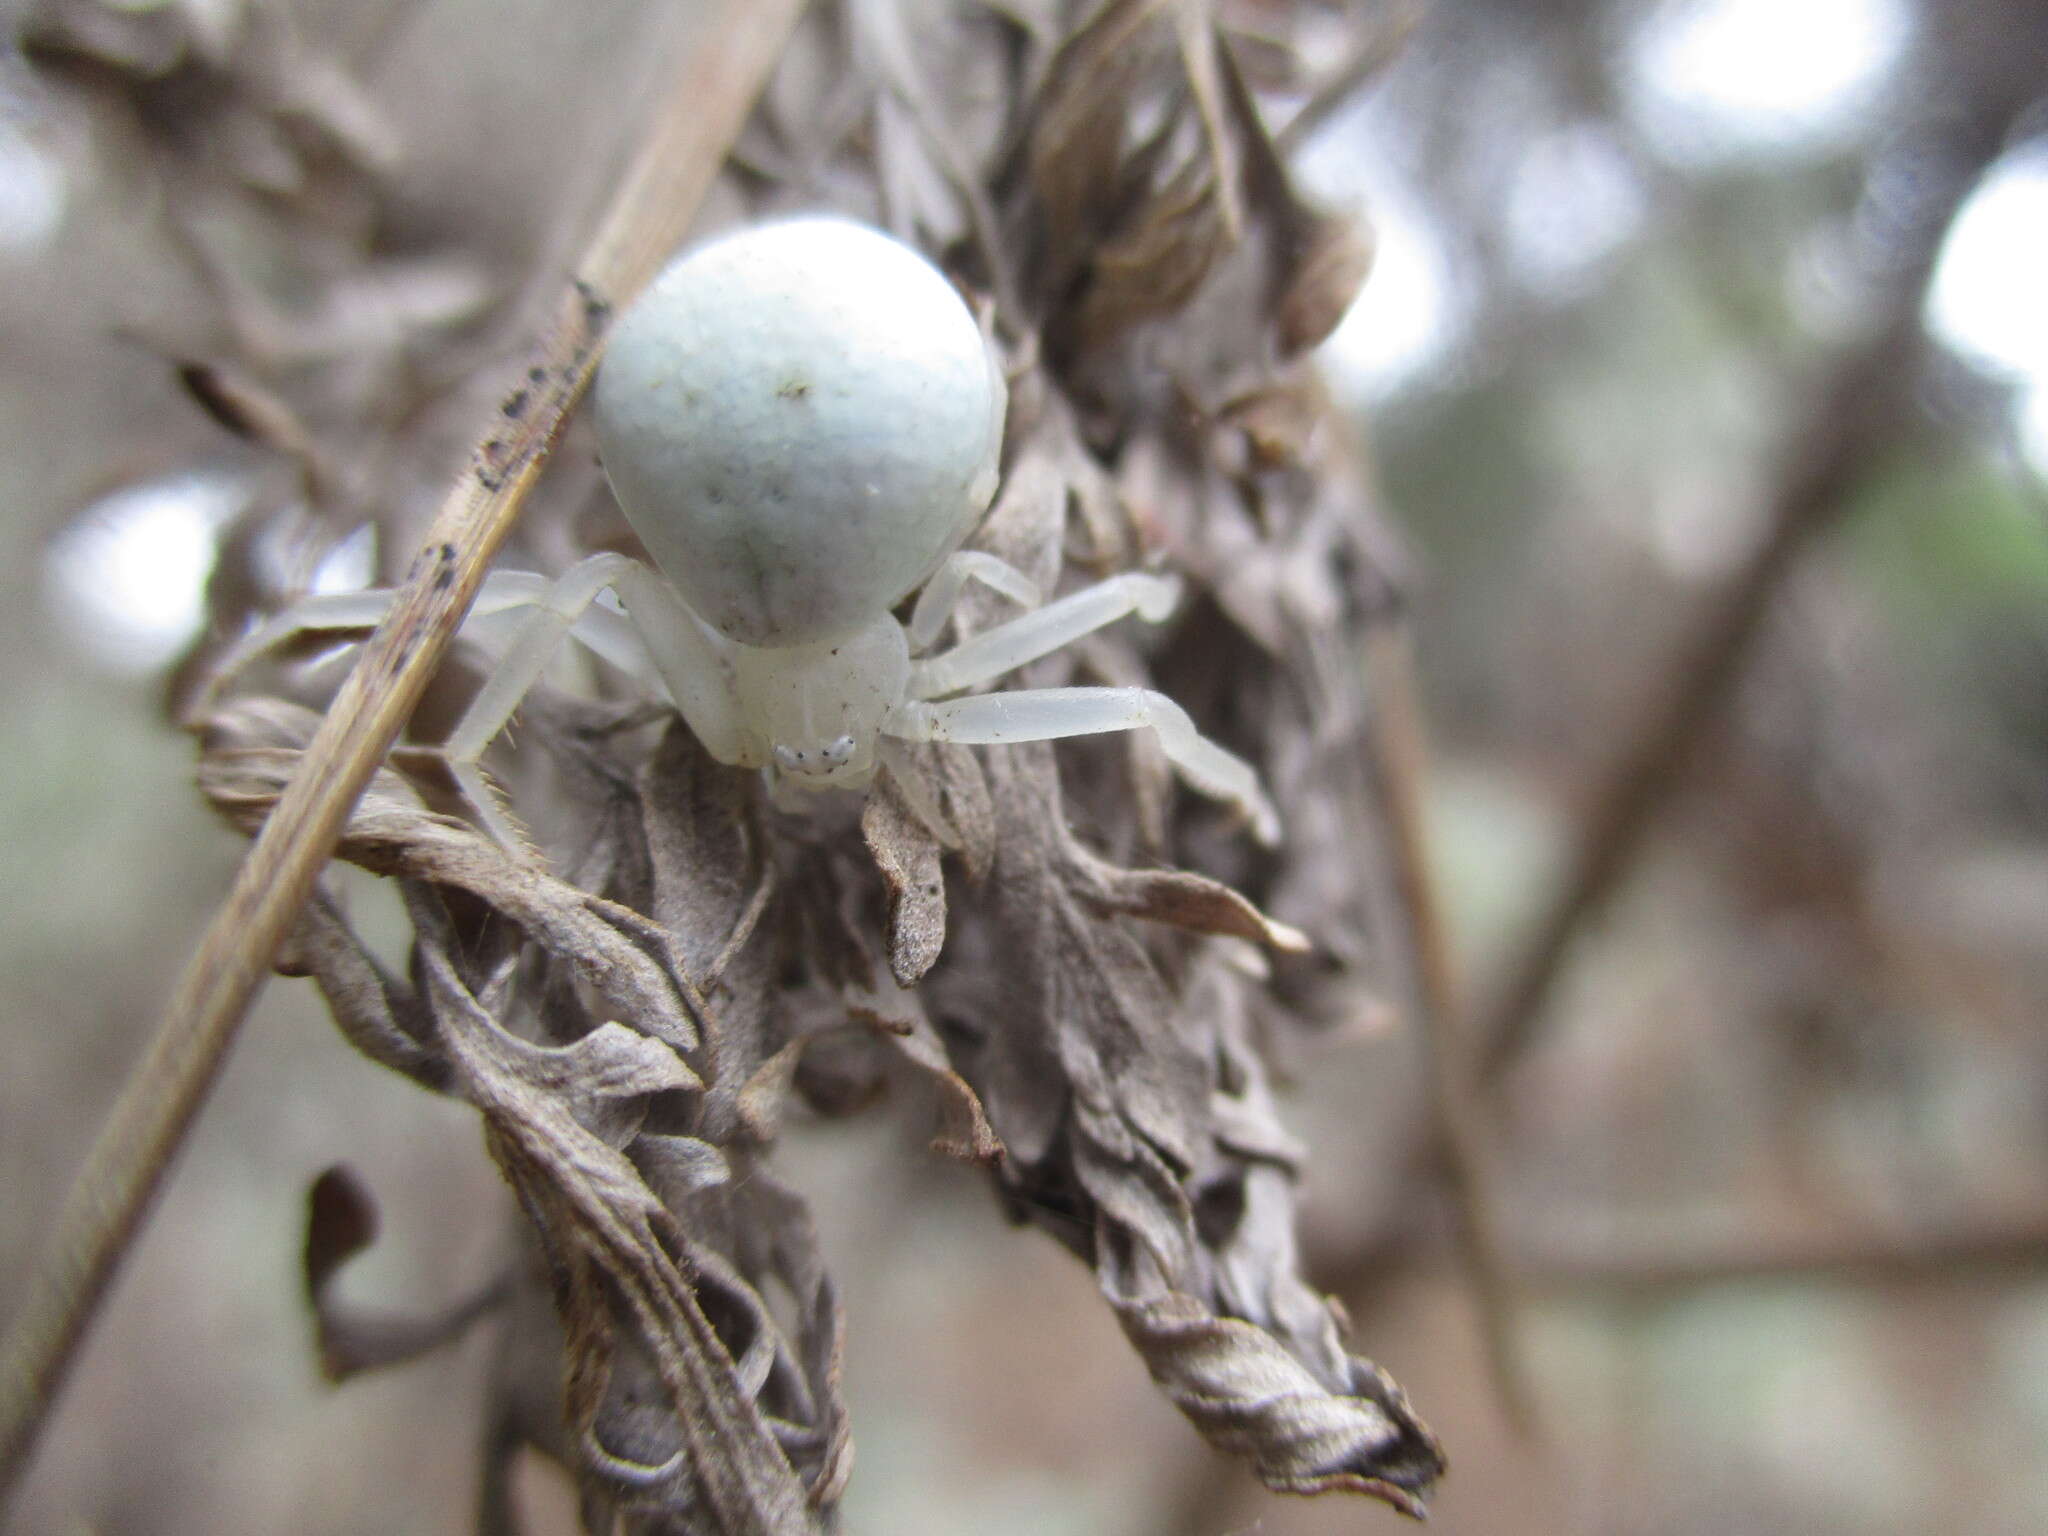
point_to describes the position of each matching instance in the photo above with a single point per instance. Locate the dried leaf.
(341, 1222)
(970, 813)
(1154, 261)
(609, 1237)
(964, 1129)
(1136, 1138)
(761, 1098)
(570, 1123)
(627, 958)
(379, 1015)
(1330, 267)
(1250, 1397)
(1078, 128)
(1185, 900)
(908, 856)
(1133, 223)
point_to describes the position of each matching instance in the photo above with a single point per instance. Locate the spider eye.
(786, 759)
(840, 751)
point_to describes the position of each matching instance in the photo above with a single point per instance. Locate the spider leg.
(1043, 714)
(538, 614)
(1042, 631)
(935, 602)
(345, 613)
(682, 651)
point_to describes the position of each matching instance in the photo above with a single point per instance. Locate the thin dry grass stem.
(1650, 1266)
(1969, 1253)
(1857, 412)
(1379, 45)
(714, 90)
(1401, 769)
(1198, 50)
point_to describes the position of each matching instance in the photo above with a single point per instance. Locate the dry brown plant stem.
(1381, 42)
(1401, 769)
(1620, 1269)
(1857, 412)
(714, 88)
(1965, 1254)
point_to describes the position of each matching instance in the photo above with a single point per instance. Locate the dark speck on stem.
(597, 308)
(490, 473)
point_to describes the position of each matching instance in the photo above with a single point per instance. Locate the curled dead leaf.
(1183, 899)
(341, 1222)
(1330, 266)
(908, 856)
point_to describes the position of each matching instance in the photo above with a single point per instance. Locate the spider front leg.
(1042, 714)
(688, 657)
(1045, 714)
(1040, 632)
(935, 602)
(692, 661)
(348, 614)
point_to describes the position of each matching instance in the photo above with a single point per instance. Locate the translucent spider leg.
(341, 613)
(1042, 631)
(1044, 714)
(935, 602)
(690, 662)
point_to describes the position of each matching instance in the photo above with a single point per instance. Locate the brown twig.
(714, 89)
(1400, 768)
(1944, 1256)
(1379, 46)
(1649, 1266)
(1857, 412)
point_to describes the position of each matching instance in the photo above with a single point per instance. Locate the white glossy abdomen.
(800, 421)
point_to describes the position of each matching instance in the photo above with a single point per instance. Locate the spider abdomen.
(800, 420)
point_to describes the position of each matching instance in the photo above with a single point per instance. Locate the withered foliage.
(633, 1005)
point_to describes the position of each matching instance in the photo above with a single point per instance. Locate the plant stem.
(715, 86)
(1858, 411)
(1400, 766)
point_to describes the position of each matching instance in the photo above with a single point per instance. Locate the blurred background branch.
(1860, 406)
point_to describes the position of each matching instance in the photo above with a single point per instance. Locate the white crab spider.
(802, 422)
